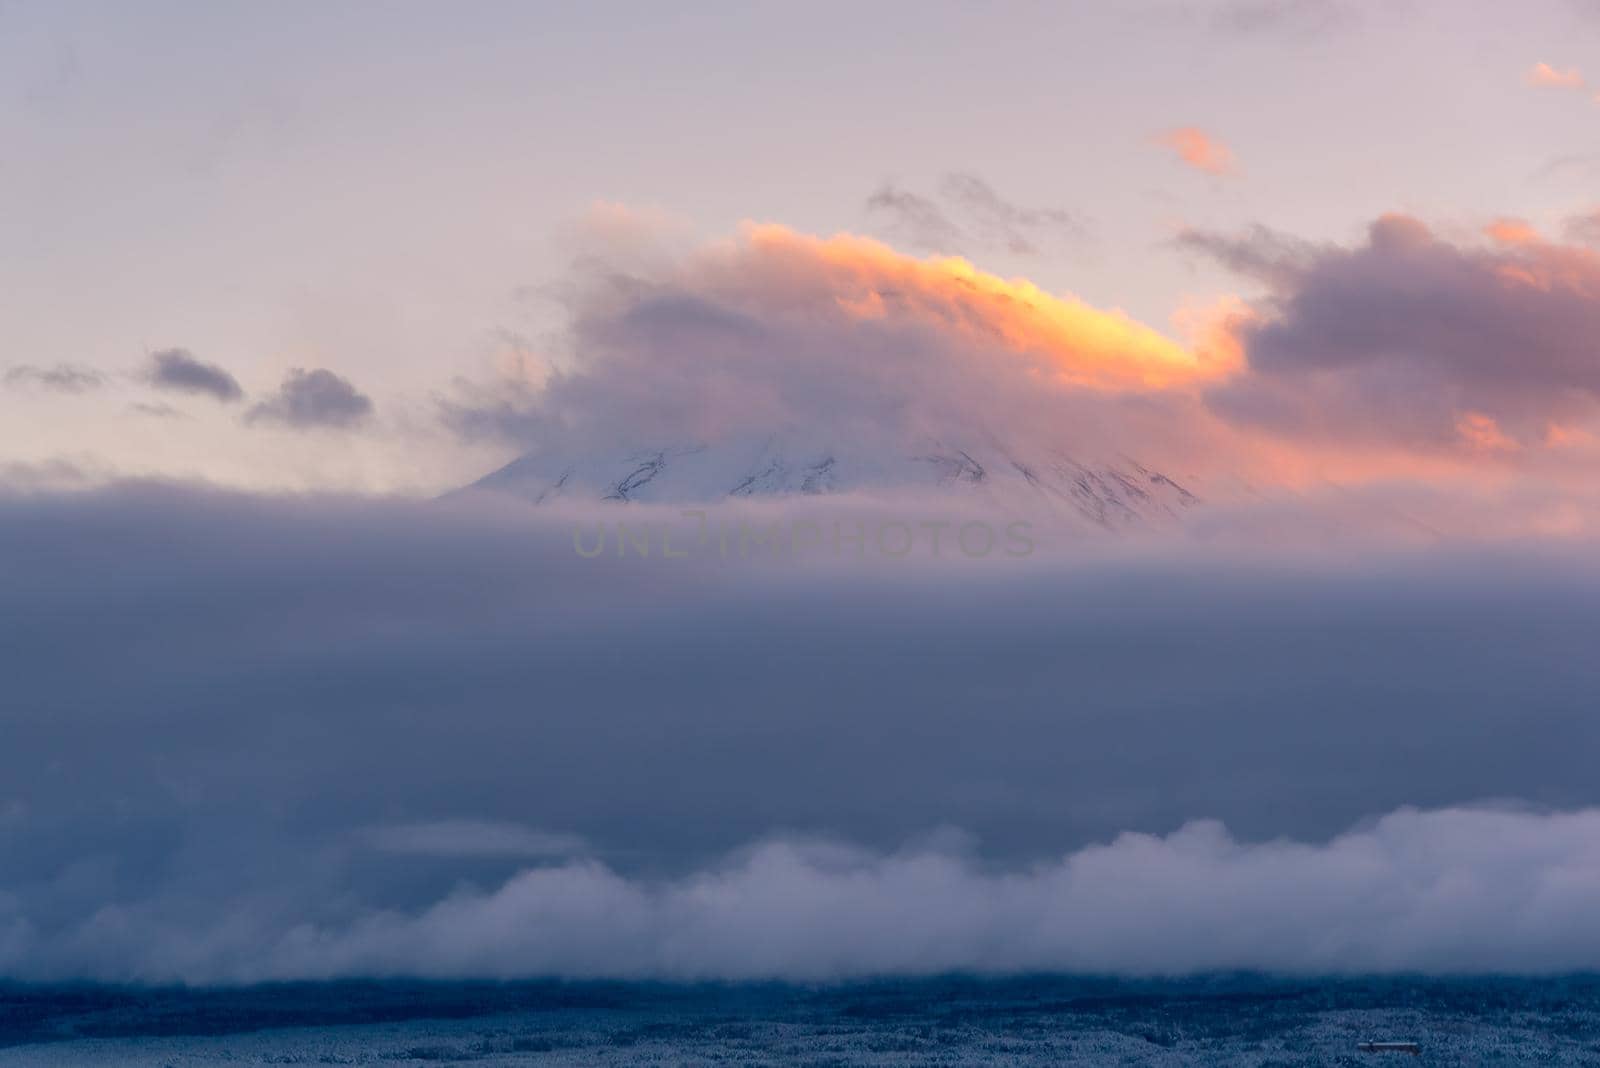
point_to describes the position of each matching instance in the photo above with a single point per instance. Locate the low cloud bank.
(1452, 890)
(251, 737)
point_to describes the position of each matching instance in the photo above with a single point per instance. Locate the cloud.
(1482, 433)
(62, 378)
(1409, 338)
(987, 220)
(1583, 229)
(333, 736)
(157, 411)
(1260, 253)
(179, 371)
(1452, 891)
(1003, 222)
(1199, 150)
(847, 343)
(1455, 890)
(1512, 232)
(313, 399)
(1348, 366)
(1544, 76)
(918, 219)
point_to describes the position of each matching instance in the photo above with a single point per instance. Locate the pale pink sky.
(391, 191)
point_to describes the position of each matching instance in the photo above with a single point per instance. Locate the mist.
(260, 737)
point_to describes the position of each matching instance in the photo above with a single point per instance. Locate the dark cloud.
(62, 378)
(1584, 229)
(998, 221)
(969, 214)
(1409, 337)
(298, 705)
(506, 411)
(178, 370)
(314, 399)
(1260, 253)
(916, 219)
(157, 411)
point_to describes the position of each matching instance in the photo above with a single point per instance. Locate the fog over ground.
(255, 737)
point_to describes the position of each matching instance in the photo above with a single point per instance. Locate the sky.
(276, 282)
(401, 197)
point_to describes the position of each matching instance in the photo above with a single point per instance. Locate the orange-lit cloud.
(1199, 150)
(1481, 432)
(1569, 437)
(1544, 76)
(1080, 344)
(847, 343)
(1405, 358)
(1512, 232)
(1417, 344)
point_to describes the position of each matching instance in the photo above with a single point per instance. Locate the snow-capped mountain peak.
(1109, 493)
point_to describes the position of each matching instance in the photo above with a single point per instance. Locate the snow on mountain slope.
(1111, 494)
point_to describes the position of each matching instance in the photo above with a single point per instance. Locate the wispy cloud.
(156, 411)
(1200, 150)
(916, 219)
(60, 378)
(968, 214)
(1583, 228)
(1544, 76)
(180, 371)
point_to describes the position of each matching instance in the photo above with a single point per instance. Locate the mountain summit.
(1110, 494)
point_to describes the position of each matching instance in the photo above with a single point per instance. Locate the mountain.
(1110, 493)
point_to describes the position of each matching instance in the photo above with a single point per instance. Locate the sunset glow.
(1199, 150)
(1079, 344)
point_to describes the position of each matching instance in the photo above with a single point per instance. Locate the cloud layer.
(1444, 891)
(334, 736)
(1447, 891)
